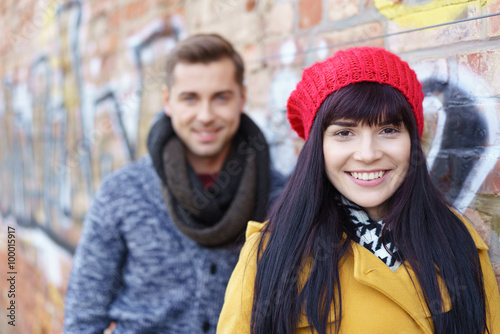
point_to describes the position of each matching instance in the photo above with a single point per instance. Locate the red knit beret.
(347, 67)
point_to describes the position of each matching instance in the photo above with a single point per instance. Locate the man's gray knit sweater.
(134, 267)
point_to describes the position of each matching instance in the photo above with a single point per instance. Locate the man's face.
(205, 103)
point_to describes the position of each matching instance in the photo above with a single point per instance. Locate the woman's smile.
(366, 164)
(368, 179)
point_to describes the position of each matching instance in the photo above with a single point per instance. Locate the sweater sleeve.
(235, 317)
(96, 274)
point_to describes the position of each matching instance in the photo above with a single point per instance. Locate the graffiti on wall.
(67, 126)
(423, 13)
(65, 134)
(462, 118)
(65, 129)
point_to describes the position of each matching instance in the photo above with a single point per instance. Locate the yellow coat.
(375, 299)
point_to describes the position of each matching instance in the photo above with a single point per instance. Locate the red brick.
(310, 12)
(98, 8)
(115, 18)
(251, 54)
(368, 4)
(485, 65)
(494, 22)
(491, 185)
(109, 43)
(40, 304)
(136, 9)
(174, 2)
(480, 224)
(476, 62)
(250, 5)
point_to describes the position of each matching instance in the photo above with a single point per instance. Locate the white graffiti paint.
(470, 82)
(477, 89)
(277, 128)
(288, 51)
(321, 49)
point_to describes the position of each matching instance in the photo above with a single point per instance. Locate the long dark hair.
(306, 223)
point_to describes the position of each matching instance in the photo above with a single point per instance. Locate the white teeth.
(367, 176)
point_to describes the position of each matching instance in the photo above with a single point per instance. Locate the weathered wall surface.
(80, 82)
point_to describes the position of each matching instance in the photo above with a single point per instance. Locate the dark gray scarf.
(217, 215)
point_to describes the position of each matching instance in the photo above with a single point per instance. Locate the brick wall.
(81, 82)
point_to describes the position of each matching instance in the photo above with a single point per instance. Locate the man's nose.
(205, 113)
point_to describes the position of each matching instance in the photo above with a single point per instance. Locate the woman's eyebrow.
(345, 123)
(384, 123)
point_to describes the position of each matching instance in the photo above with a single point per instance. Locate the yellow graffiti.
(49, 27)
(426, 14)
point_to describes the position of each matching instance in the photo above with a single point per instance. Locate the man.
(163, 234)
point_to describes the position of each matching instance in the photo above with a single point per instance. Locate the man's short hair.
(204, 48)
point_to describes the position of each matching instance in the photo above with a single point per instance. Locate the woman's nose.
(367, 150)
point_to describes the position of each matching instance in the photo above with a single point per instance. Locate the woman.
(361, 241)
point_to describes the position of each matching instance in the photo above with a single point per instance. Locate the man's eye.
(222, 98)
(189, 98)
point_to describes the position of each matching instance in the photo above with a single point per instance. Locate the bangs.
(368, 103)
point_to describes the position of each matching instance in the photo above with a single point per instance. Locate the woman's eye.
(390, 130)
(343, 133)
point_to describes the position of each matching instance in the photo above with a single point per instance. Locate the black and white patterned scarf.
(369, 235)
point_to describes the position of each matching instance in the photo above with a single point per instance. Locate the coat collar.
(401, 286)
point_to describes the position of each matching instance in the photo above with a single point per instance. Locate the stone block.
(241, 28)
(285, 52)
(280, 19)
(433, 37)
(109, 43)
(206, 12)
(368, 4)
(258, 89)
(343, 39)
(252, 56)
(342, 9)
